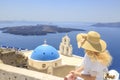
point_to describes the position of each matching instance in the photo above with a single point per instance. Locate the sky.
(60, 10)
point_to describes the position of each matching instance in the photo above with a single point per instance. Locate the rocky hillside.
(36, 30)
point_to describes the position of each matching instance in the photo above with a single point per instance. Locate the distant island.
(36, 30)
(115, 24)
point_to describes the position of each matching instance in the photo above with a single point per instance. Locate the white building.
(44, 58)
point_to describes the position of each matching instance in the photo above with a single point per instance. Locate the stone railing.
(8, 72)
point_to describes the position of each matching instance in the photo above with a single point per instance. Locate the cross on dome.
(66, 34)
(45, 41)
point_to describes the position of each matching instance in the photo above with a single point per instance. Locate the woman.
(96, 59)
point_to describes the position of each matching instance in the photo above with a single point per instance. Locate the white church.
(45, 58)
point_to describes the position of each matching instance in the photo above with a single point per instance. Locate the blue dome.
(45, 53)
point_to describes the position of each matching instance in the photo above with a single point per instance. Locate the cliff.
(13, 57)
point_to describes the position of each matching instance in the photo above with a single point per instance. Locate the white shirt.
(93, 68)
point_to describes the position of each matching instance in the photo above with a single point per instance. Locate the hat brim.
(99, 47)
(80, 39)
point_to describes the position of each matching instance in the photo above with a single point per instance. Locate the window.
(12, 62)
(9, 78)
(43, 53)
(15, 77)
(43, 65)
(63, 48)
(56, 64)
(52, 53)
(3, 73)
(67, 49)
(25, 78)
(65, 40)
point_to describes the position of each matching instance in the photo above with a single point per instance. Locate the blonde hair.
(103, 57)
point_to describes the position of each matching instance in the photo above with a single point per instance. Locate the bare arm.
(85, 77)
(80, 69)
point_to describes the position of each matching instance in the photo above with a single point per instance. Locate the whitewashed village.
(42, 63)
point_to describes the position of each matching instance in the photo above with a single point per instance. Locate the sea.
(110, 34)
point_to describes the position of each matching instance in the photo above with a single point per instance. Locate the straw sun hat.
(91, 41)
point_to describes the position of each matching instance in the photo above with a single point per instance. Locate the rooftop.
(45, 53)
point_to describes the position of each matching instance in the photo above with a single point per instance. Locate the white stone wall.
(38, 64)
(8, 72)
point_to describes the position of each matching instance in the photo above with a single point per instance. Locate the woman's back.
(94, 68)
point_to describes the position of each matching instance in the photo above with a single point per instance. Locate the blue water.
(110, 35)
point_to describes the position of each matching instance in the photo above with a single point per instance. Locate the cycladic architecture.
(65, 47)
(44, 58)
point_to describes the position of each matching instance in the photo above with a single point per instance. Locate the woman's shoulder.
(97, 65)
